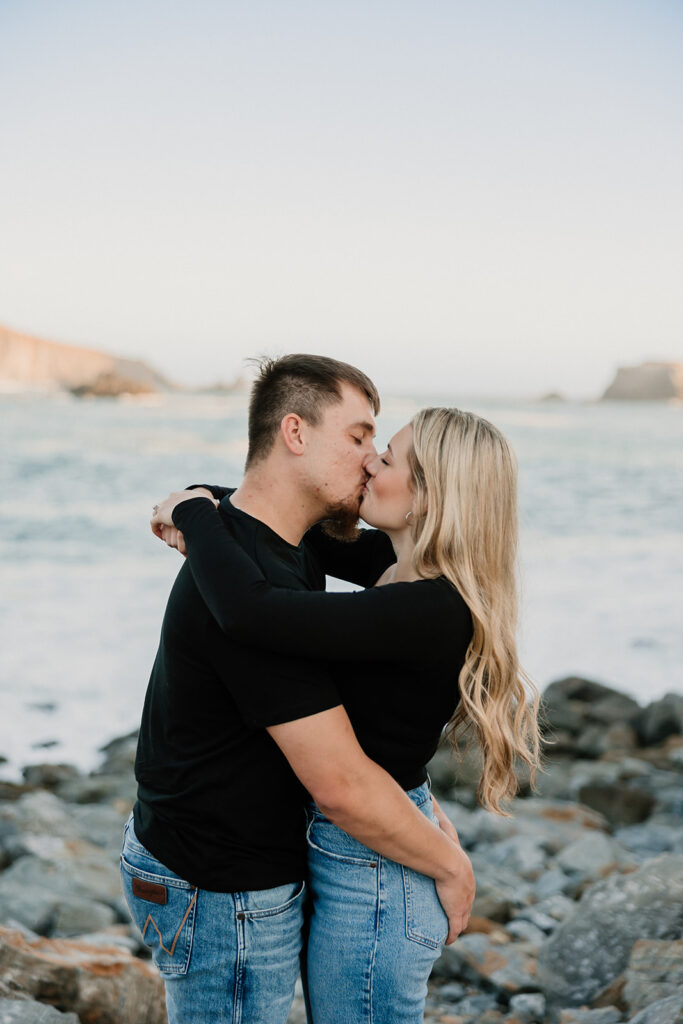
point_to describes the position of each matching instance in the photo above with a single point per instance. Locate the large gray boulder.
(593, 944)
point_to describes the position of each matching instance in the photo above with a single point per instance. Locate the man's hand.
(358, 796)
(456, 896)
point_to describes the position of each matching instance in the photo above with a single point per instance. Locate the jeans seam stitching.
(240, 959)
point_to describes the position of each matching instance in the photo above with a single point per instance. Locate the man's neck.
(267, 494)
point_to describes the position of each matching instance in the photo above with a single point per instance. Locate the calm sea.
(84, 583)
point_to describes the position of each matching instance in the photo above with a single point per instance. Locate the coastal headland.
(27, 362)
(578, 917)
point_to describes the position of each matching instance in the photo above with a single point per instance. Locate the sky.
(482, 197)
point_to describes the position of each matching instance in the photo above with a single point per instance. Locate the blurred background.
(479, 205)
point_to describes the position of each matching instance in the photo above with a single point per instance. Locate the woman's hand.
(162, 518)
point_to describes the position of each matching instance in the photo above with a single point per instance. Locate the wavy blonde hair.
(465, 527)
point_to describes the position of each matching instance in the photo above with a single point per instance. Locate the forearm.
(376, 811)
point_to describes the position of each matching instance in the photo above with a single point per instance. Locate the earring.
(408, 515)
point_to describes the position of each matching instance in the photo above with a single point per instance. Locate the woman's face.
(388, 496)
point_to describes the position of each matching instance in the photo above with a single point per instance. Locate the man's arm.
(361, 798)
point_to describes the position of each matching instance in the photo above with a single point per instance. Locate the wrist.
(455, 866)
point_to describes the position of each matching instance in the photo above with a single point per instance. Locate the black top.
(398, 648)
(217, 802)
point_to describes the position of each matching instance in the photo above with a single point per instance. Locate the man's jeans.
(226, 958)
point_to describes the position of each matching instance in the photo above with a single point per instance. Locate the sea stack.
(649, 382)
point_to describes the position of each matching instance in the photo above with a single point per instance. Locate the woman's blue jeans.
(376, 929)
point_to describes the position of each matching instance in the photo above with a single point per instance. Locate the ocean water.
(84, 582)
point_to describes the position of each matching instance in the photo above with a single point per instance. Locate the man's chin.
(341, 520)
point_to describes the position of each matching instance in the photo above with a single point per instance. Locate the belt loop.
(429, 781)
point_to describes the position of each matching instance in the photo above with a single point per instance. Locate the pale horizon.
(476, 200)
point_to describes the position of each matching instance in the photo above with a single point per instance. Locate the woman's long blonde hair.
(465, 528)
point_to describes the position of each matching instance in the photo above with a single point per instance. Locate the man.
(214, 859)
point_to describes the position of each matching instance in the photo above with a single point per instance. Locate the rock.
(654, 972)
(485, 926)
(649, 382)
(650, 839)
(472, 1006)
(40, 813)
(476, 958)
(451, 991)
(593, 855)
(606, 1015)
(93, 789)
(530, 933)
(498, 892)
(111, 385)
(619, 738)
(593, 944)
(100, 824)
(119, 754)
(75, 916)
(100, 985)
(528, 1007)
(38, 892)
(546, 914)
(607, 704)
(664, 1011)
(26, 1011)
(620, 803)
(661, 718)
(552, 882)
(455, 765)
(48, 776)
(523, 854)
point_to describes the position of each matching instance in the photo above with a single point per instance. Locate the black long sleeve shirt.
(395, 651)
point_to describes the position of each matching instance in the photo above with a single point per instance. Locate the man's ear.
(292, 428)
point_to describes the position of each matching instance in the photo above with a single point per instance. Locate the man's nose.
(370, 462)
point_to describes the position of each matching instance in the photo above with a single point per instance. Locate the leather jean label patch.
(150, 891)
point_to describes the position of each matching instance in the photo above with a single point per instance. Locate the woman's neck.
(402, 570)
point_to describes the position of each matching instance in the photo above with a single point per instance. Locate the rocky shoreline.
(578, 917)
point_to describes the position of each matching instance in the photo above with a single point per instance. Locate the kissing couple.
(284, 820)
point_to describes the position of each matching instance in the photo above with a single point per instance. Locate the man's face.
(336, 452)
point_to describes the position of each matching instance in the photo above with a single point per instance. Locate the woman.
(432, 644)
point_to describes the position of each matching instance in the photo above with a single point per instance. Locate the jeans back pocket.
(163, 908)
(426, 920)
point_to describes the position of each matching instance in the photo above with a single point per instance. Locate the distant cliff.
(648, 382)
(28, 362)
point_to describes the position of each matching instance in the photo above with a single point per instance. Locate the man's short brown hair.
(301, 384)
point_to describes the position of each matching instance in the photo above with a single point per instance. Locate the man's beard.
(341, 520)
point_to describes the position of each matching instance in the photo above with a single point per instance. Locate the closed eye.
(384, 462)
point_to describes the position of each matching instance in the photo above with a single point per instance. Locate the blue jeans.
(376, 929)
(226, 958)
